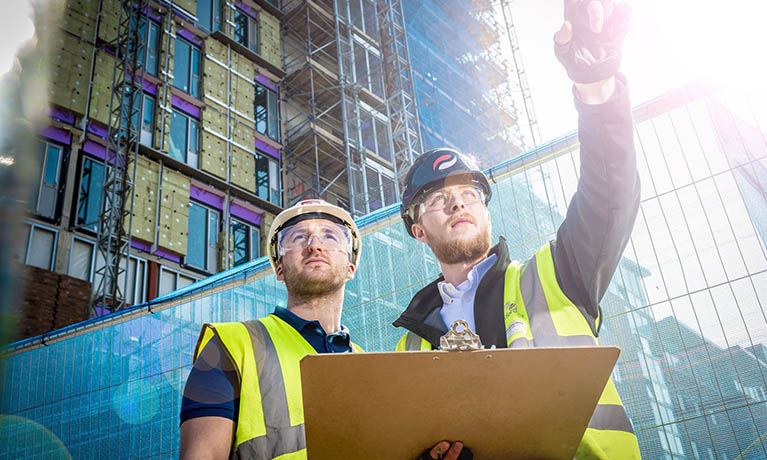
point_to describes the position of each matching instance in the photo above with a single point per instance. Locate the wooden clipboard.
(532, 403)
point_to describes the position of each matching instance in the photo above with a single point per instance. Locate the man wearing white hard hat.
(242, 398)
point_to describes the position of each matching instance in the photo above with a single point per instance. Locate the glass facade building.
(686, 306)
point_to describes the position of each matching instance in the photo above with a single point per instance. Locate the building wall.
(686, 304)
(209, 160)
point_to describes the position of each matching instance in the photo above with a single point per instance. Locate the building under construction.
(178, 129)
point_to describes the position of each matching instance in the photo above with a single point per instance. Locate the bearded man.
(553, 298)
(243, 396)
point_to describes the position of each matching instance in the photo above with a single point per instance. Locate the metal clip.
(455, 340)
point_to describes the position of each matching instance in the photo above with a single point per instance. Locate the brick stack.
(51, 301)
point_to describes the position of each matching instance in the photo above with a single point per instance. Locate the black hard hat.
(431, 171)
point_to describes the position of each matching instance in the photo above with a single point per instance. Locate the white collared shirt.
(458, 301)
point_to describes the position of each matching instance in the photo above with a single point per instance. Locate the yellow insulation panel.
(101, 94)
(242, 66)
(242, 133)
(266, 225)
(174, 212)
(243, 95)
(214, 81)
(243, 169)
(213, 155)
(145, 200)
(214, 118)
(269, 38)
(216, 50)
(188, 5)
(70, 73)
(110, 20)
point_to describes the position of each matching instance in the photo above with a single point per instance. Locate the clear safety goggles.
(328, 235)
(441, 199)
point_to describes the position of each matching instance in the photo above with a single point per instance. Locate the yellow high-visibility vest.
(543, 316)
(266, 354)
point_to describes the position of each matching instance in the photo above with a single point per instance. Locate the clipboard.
(529, 403)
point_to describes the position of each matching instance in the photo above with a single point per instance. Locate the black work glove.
(466, 454)
(593, 50)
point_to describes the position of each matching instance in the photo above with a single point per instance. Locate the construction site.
(178, 130)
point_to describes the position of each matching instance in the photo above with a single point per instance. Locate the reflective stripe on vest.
(538, 314)
(266, 354)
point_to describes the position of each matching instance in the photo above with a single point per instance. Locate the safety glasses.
(440, 199)
(328, 235)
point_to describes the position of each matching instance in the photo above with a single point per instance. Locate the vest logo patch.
(516, 327)
(510, 309)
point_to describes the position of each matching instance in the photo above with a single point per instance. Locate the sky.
(670, 43)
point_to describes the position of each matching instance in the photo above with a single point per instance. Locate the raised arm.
(602, 211)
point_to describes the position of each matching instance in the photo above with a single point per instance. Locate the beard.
(308, 284)
(460, 250)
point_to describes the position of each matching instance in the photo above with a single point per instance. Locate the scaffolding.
(337, 145)
(122, 145)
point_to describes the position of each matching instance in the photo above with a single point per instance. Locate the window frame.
(251, 26)
(78, 200)
(186, 151)
(139, 288)
(30, 235)
(177, 274)
(207, 239)
(251, 230)
(193, 81)
(273, 178)
(148, 50)
(92, 269)
(215, 15)
(41, 179)
(271, 113)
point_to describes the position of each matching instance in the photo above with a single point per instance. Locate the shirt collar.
(299, 323)
(449, 293)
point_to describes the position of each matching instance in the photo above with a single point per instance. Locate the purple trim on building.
(204, 196)
(149, 12)
(266, 82)
(268, 149)
(108, 50)
(150, 87)
(245, 214)
(167, 255)
(98, 130)
(141, 246)
(246, 9)
(186, 107)
(57, 134)
(61, 116)
(95, 149)
(189, 35)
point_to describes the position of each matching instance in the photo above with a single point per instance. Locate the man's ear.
(351, 270)
(419, 233)
(279, 272)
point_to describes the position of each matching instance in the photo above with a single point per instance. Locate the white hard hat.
(312, 209)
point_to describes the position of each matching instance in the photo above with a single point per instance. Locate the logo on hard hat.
(444, 162)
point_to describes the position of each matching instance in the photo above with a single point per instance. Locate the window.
(202, 245)
(267, 179)
(186, 67)
(143, 117)
(137, 270)
(246, 244)
(89, 202)
(267, 112)
(170, 280)
(374, 134)
(209, 14)
(46, 184)
(245, 30)
(81, 258)
(149, 53)
(39, 249)
(184, 138)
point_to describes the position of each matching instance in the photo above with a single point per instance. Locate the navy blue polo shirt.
(213, 388)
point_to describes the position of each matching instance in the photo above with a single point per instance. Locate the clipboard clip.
(463, 340)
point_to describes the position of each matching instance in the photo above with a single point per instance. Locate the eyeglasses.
(329, 235)
(442, 198)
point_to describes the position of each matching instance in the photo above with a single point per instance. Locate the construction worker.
(552, 299)
(243, 396)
